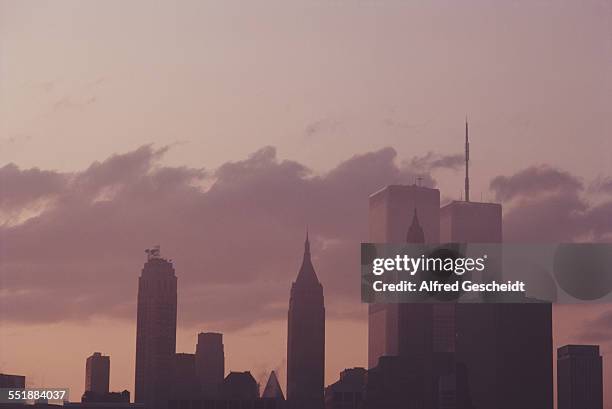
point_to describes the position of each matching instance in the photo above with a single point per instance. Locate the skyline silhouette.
(329, 372)
(220, 129)
(400, 221)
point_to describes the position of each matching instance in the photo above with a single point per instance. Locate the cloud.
(534, 180)
(597, 330)
(601, 185)
(20, 189)
(235, 235)
(325, 125)
(550, 205)
(433, 161)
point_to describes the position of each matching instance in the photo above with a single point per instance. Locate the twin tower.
(156, 337)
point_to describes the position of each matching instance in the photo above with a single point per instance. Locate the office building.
(306, 339)
(155, 330)
(579, 377)
(210, 363)
(12, 381)
(348, 391)
(97, 373)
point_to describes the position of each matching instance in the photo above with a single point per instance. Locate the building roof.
(273, 388)
(307, 275)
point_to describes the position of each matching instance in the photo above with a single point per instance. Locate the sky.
(219, 130)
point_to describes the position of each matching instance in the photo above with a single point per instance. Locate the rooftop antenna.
(467, 163)
(153, 252)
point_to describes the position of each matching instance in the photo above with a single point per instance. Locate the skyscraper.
(210, 363)
(184, 379)
(155, 330)
(306, 339)
(394, 218)
(391, 211)
(97, 373)
(400, 214)
(579, 377)
(505, 347)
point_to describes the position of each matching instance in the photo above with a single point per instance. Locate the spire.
(415, 231)
(467, 162)
(307, 273)
(273, 389)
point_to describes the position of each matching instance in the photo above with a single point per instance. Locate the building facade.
(306, 339)
(579, 377)
(12, 381)
(210, 363)
(504, 347)
(155, 331)
(97, 373)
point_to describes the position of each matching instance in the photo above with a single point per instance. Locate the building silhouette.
(210, 363)
(415, 232)
(392, 211)
(396, 382)
(97, 373)
(469, 354)
(505, 347)
(240, 386)
(155, 331)
(97, 377)
(348, 391)
(238, 390)
(108, 398)
(184, 379)
(12, 381)
(273, 389)
(399, 214)
(306, 339)
(579, 377)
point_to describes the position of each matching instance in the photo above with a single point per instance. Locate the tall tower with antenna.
(155, 330)
(467, 163)
(306, 339)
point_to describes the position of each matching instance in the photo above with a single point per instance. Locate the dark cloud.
(20, 188)
(235, 235)
(433, 161)
(534, 181)
(546, 204)
(555, 218)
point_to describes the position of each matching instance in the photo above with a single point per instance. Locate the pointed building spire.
(307, 272)
(273, 389)
(415, 231)
(305, 340)
(467, 162)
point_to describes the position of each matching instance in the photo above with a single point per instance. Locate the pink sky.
(120, 103)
